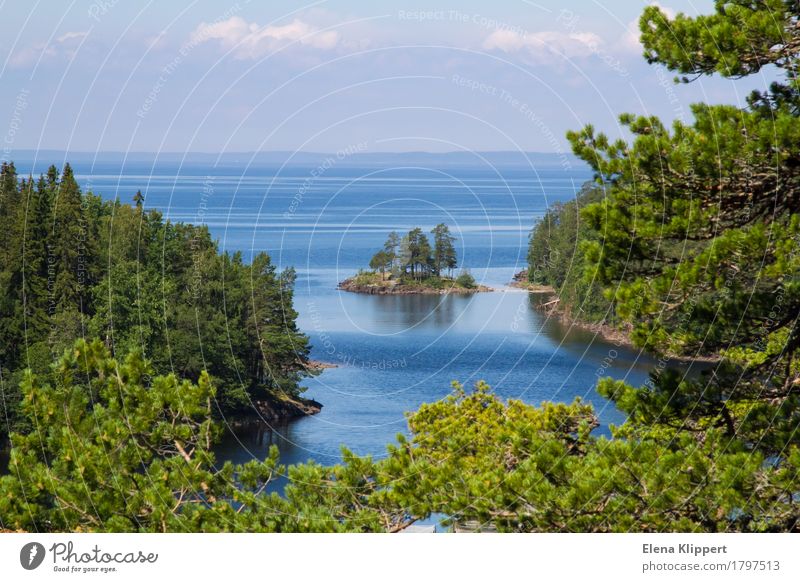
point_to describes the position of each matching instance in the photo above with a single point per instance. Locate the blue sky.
(254, 75)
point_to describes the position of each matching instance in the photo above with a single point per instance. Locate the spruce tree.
(69, 244)
(12, 218)
(36, 259)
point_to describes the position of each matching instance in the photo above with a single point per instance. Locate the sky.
(331, 76)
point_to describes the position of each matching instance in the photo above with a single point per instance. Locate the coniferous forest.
(75, 266)
(125, 337)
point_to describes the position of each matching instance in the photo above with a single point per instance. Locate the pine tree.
(381, 261)
(420, 253)
(392, 248)
(698, 232)
(444, 253)
(404, 256)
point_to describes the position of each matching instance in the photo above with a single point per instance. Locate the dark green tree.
(556, 258)
(392, 248)
(71, 246)
(159, 287)
(444, 252)
(38, 264)
(118, 448)
(482, 462)
(381, 261)
(419, 248)
(11, 275)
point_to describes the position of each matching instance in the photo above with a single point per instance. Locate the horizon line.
(285, 151)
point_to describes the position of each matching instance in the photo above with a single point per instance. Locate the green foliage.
(466, 280)
(557, 258)
(392, 249)
(444, 253)
(413, 260)
(693, 245)
(739, 39)
(519, 468)
(696, 240)
(116, 449)
(420, 259)
(381, 261)
(74, 266)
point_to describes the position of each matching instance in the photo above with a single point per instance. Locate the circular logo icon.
(31, 555)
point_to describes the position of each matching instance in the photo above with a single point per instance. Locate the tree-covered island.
(411, 264)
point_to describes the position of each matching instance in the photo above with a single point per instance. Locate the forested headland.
(75, 266)
(411, 264)
(690, 239)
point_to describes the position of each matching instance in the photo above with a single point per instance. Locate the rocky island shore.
(375, 285)
(411, 265)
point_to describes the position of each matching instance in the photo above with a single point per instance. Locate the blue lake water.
(393, 352)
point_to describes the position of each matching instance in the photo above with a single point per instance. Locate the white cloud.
(630, 40)
(670, 12)
(70, 36)
(156, 41)
(544, 46)
(65, 45)
(250, 41)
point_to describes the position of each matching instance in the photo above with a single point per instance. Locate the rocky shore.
(617, 335)
(280, 409)
(391, 287)
(315, 366)
(520, 281)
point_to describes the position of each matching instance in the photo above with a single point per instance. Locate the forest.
(75, 266)
(556, 259)
(690, 235)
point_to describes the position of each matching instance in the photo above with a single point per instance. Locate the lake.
(326, 218)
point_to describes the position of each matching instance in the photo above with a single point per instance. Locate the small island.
(411, 265)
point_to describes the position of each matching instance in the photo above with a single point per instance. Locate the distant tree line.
(76, 266)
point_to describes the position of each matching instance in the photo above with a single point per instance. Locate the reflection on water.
(410, 311)
(396, 352)
(249, 441)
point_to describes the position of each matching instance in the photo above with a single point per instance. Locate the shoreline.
(316, 366)
(278, 410)
(282, 408)
(520, 281)
(606, 332)
(389, 287)
(620, 337)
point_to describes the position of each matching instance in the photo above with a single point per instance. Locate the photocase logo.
(31, 555)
